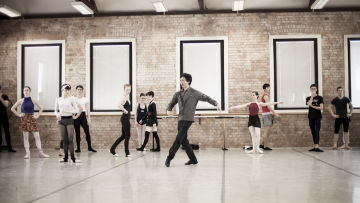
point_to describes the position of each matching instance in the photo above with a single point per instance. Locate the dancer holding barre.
(254, 120)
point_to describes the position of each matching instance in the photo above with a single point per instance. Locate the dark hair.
(187, 77)
(313, 85)
(142, 94)
(266, 85)
(256, 93)
(27, 87)
(0, 87)
(150, 93)
(338, 88)
(67, 86)
(79, 86)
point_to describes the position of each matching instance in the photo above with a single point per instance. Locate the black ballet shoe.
(77, 150)
(261, 146)
(318, 150)
(191, 162)
(74, 160)
(140, 149)
(11, 150)
(91, 150)
(267, 148)
(63, 160)
(167, 162)
(312, 150)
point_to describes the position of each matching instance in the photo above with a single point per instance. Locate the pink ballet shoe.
(43, 155)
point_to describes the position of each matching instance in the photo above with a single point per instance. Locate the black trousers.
(4, 122)
(181, 139)
(315, 125)
(156, 136)
(82, 121)
(124, 136)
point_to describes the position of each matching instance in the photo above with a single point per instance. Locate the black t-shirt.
(341, 106)
(2, 107)
(314, 113)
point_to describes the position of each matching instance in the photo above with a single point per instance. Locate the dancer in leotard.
(254, 120)
(125, 106)
(28, 121)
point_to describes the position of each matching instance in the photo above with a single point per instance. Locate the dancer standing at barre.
(83, 120)
(268, 115)
(66, 110)
(342, 116)
(151, 124)
(254, 124)
(125, 106)
(28, 121)
(187, 98)
(316, 105)
(141, 119)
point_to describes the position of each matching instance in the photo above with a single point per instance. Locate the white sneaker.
(129, 155)
(27, 156)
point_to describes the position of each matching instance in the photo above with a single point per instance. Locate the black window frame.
(92, 44)
(23, 46)
(349, 64)
(315, 40)
(222, 51)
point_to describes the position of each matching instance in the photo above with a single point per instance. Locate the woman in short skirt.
(28, 121)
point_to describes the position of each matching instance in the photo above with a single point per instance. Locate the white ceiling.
(60, 7)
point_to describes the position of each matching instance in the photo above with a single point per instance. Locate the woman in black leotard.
(125, 106)
(141, 118)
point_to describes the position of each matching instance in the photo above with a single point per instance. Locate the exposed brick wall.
(248, 58)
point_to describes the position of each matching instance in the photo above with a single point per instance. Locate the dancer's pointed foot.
(167, 162)
(43, 155)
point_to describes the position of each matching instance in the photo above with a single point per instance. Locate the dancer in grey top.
(187, 98)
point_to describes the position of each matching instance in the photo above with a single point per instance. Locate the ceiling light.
(238, 5)
(9, 11)
(159, 6)
(82, 8)
(319, 4)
